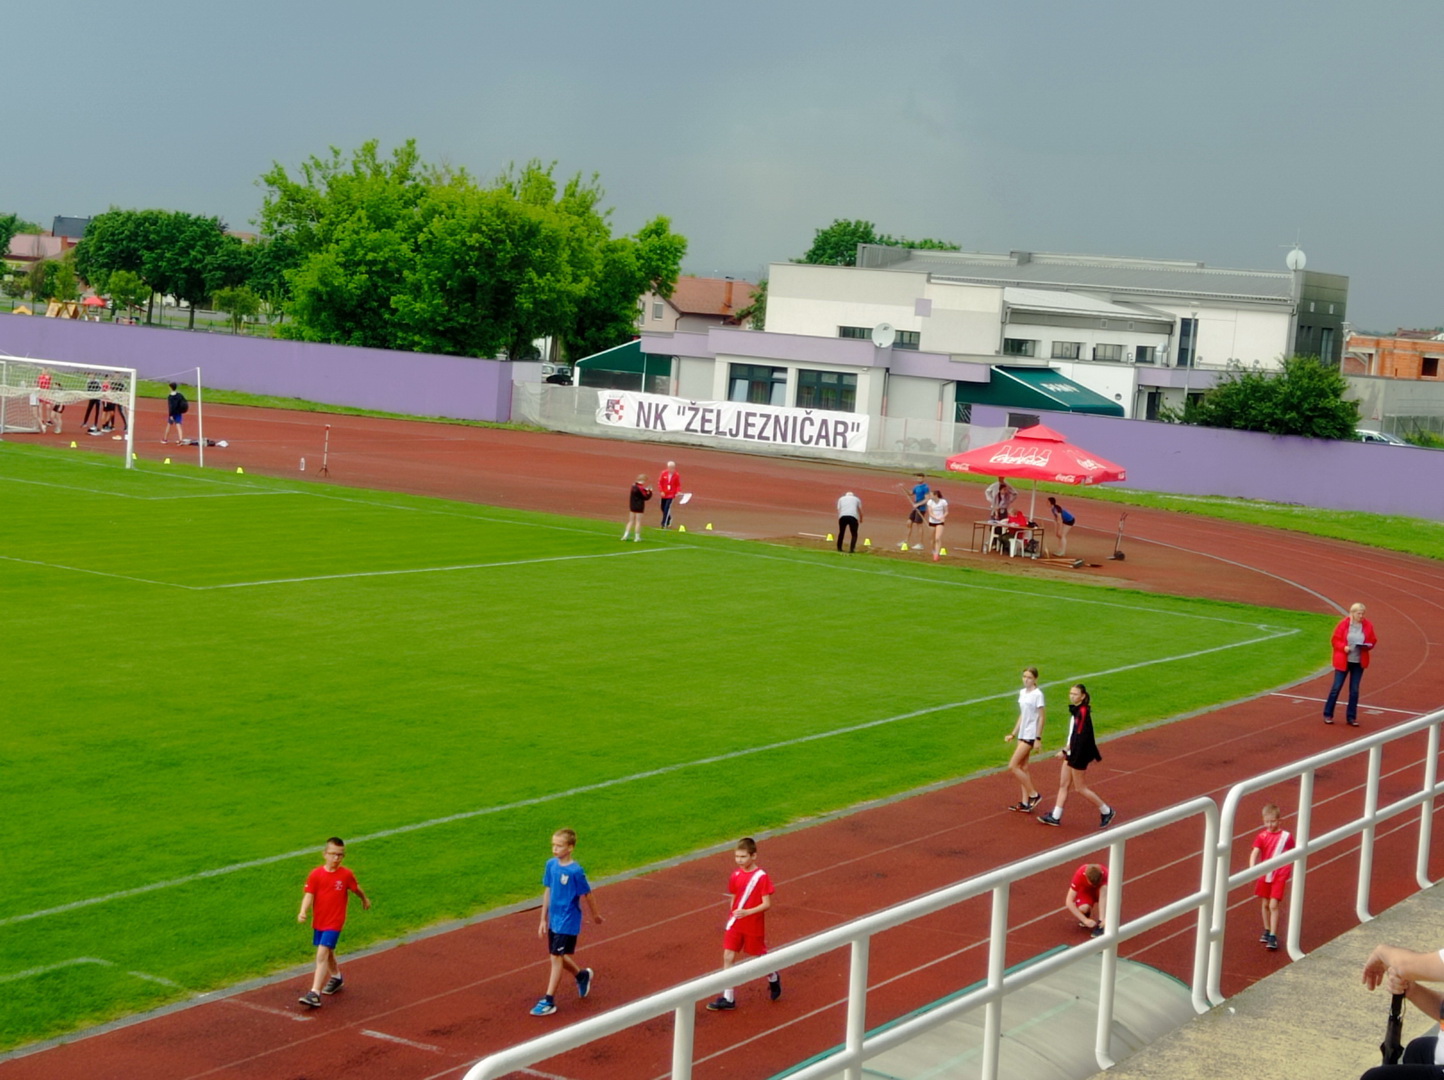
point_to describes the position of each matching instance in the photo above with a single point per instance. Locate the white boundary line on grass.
(334, 577)
(602, 785)
(245, 493)
(31, 973)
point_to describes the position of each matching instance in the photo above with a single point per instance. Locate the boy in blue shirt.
(565, 886)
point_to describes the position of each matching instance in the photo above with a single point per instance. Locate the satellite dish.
(1295, 260)
(883, 335)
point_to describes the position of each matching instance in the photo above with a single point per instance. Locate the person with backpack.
(176, 407)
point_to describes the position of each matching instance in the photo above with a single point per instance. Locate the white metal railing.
(1306, 844)
(858, 1045)
(1210, 901)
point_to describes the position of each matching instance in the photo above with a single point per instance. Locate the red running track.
(431, 1007)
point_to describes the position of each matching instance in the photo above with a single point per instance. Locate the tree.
(755, 313)
(1305, 397)
(132, 240)
(836, 245)
(391, 253)
(40, 277)
(127, 290)
(239, 303)
(64, 284)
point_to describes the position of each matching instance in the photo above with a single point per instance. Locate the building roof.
(711, 296)
(73, 228)
(33, 247)
(1074, 303)
(1157, 277)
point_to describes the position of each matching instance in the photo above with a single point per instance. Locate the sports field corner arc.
(401, 646)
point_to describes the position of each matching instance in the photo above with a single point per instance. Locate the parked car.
(1378, 437)
(557, 374)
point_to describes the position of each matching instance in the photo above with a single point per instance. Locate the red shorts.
(737, 940)
(1270, 890)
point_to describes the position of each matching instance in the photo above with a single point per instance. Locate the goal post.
(82, 401)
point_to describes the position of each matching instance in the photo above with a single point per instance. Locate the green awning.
(623, 367)
(1036, 389)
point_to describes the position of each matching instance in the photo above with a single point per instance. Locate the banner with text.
(814, 428)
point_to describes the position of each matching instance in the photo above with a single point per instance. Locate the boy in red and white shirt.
(1273, 840)
(328, 888)
(751, 896)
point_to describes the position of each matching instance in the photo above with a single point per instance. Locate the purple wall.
(1324, 473)
(419, 384)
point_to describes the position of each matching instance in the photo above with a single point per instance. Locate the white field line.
(1031, 594)
(31, 973)
(399, 1039)
(96, 573)
(244, 1004)
(428, 569)
(252, 492)
(1365, 708)
(602, 785)
(332, 577)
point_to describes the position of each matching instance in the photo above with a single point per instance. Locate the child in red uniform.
(328, 888)
(751, 892)
(1085, 896)
(1273, 840)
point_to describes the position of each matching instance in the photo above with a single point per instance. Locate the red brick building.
(1406, 354)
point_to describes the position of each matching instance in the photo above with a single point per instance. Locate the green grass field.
(208, 674)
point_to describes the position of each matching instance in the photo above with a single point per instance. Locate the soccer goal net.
(83, 401)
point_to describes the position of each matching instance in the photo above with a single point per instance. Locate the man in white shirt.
(849, 516)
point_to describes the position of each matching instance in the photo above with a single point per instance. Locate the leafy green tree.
(393, 253)
(755, 313)
(64, 283)
(127, 291)
(239, 302)
(836, 245)
(1305, 397)
(14, 284)
(40, 277)
(132, 240)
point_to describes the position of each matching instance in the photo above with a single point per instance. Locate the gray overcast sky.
(1214, 132)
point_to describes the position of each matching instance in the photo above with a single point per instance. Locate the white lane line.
(541, 1075)
(1365, 708)
(30, 973)
(1032, 594)
(602, 785)
(302, 1017)
(333, 577)
(428, 569)
(96, 573)
(251, 492)
(399, 1039)
(156, 979)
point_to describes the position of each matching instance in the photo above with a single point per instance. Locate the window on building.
(1326, 344)
(864, 332)
(757, 384)
(908, 339)
(1067, 350)
(1187, 341)
(1107, 352)
(1151, 401)
(1019, 347)
(1145, 354)
(1429, 368)
(963, 412)
(657, 310)
(835, 391)
(1021, 420)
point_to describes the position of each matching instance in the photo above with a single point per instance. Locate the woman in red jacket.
(1353, 641)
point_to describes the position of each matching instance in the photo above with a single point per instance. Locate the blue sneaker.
(545, 1007)
(584, 982)
(721, 1004)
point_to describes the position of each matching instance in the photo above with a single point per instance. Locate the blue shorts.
(176, 420)
(327, 938)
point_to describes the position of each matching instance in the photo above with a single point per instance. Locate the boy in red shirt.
(751, 892)
(1085, 896)
(328, 888)
(1273, 840)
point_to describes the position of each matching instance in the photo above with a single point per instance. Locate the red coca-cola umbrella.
(1038, 453)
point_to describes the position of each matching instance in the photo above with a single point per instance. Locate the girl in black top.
(1080, 751)
(636, 503)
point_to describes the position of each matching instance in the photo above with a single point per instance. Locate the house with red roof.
(696, 303)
